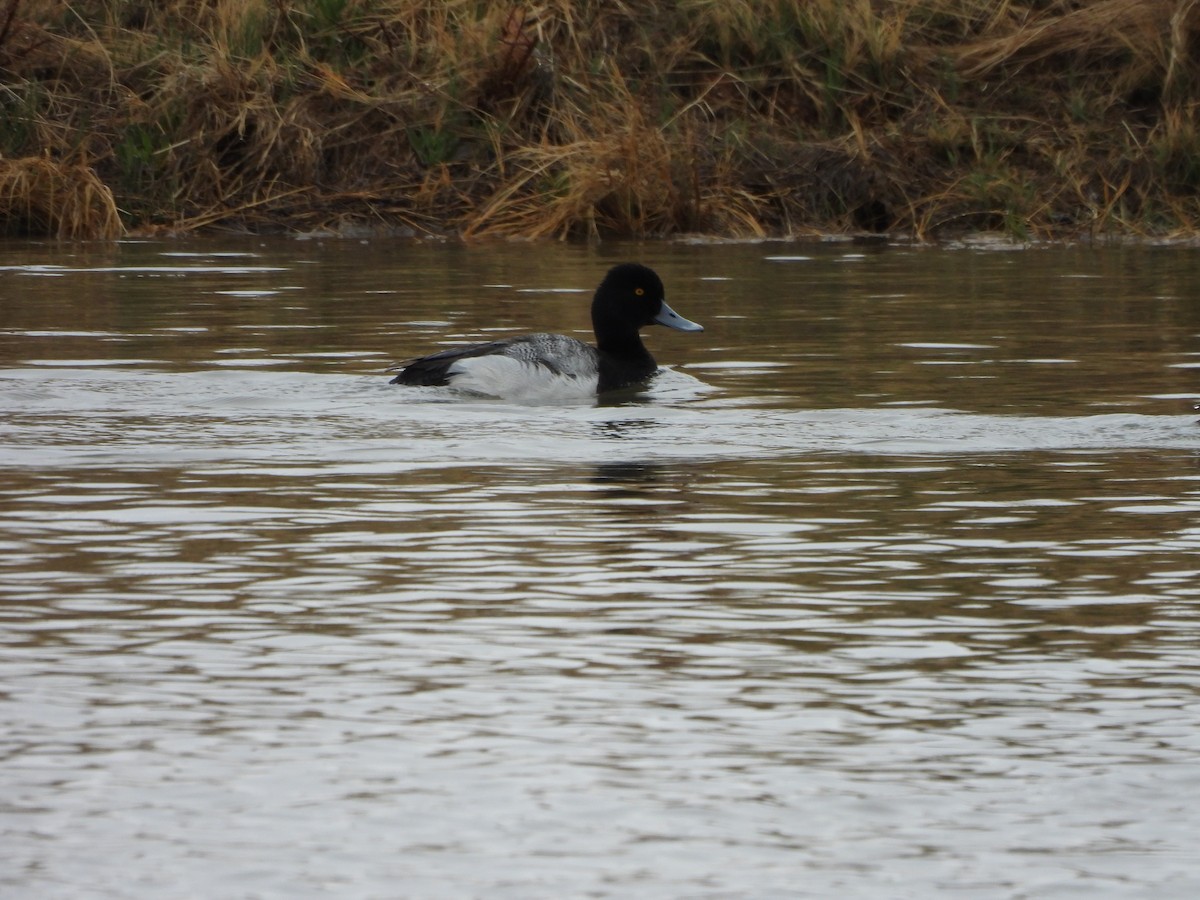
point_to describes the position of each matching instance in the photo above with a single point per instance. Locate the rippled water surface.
(888, 587)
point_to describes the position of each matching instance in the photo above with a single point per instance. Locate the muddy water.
(889, 587)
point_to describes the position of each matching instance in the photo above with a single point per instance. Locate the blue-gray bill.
(670, 318)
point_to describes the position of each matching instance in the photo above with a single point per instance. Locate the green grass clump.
(584, 118)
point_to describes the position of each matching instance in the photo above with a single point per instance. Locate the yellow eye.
(638, 291)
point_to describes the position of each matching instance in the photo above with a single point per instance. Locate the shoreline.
(922, 120)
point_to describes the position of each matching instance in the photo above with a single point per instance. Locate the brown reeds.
(1149, 39)
(558, 119)
(40, 197)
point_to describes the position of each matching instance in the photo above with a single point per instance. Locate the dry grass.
(1146, 39)
(67, 201)
(580, 118)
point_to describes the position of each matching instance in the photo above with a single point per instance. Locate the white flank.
(513, 379)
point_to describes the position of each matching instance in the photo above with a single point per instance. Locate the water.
(887, 588)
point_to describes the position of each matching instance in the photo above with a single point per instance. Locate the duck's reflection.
(629, 474)
(622, 429)
(638, 396)
(644, 485)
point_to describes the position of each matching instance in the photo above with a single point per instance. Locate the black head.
(629, 297)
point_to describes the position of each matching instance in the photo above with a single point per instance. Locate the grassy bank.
(563, 119)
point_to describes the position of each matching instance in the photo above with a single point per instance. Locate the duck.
(546, 366)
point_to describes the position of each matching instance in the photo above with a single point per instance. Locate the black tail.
(434, 370)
